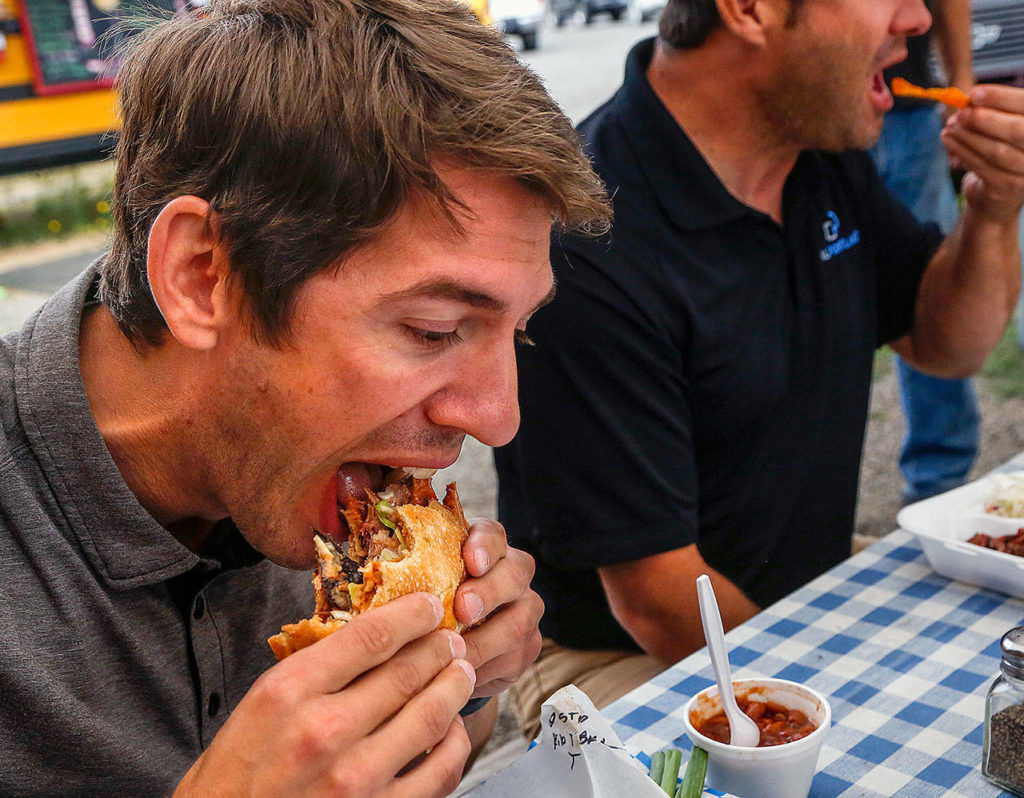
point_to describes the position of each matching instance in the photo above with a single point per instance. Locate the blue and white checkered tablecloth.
(905, 657)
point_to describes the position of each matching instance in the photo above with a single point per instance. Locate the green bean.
(692, 785)
(657, 766)
(670, 774)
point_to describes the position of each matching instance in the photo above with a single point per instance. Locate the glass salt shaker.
(1003, 758)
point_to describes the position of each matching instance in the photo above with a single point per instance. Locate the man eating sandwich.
(331, 227)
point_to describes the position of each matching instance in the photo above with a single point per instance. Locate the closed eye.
(434, 339)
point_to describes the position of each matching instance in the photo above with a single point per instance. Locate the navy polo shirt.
(703, 374)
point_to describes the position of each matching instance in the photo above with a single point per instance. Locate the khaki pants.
(603, 675)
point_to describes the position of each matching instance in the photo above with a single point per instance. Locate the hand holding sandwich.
(361, 694)
(499, 590)
(401, 539)
(346, 716)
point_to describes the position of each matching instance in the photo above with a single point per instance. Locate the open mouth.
(350, 483)
(369, 530)
(880, 95)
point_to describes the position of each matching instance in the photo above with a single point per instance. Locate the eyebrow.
(444, 288)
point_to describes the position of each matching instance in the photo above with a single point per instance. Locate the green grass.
(882, 364)
(1003, 370)
(71, 211)
(1005, 366)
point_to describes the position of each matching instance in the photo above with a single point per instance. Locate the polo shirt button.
(213, 705)
(199, 608)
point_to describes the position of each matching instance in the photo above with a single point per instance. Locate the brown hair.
(685, 24)
(307, 123)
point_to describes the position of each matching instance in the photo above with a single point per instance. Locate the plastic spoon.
(743, 731)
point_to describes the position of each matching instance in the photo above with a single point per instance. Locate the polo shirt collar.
(124, 544)
(665, 152)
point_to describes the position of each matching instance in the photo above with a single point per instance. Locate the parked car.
(645, 10)
(565, 9)
(997, 32)
(520, 18)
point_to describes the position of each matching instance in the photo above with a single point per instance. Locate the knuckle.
(347, 780)
(1002, 152)
(526, 563)
(406, 679)
(451, 773)
(314, 734)
(532, 651)
(537, 606)
(270, 690)
(435, 716)
(372, 635)
(500, 684)
(520, 627)
(533, 646)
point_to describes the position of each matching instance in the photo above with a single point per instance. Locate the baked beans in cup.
(793, 719)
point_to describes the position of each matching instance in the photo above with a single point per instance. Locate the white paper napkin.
(577, 756)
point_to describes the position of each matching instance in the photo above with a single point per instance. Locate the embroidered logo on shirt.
(831, 226)
(834, 245)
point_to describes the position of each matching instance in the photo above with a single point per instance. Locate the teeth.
(419, 473)
(321, 548)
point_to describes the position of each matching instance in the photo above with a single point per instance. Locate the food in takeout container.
(1009, 544)
(778, 770)
(945, 524)
(1007, 498)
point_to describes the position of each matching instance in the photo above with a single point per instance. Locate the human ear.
(188, 272)
(747, 18)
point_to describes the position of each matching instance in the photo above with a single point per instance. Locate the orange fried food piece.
(951, 96)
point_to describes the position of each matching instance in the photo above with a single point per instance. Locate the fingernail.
(470, 672)
(474, 606)
(482, 560)
(457, 645)
(435, 602)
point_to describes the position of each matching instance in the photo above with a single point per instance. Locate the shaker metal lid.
(1012, 648)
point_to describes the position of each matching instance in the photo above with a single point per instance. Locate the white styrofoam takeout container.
(943, 524)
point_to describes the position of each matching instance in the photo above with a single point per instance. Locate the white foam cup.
(778, 771)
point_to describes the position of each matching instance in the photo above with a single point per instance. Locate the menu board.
(73, 44)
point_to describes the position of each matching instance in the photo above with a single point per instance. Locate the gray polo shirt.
(115, 674)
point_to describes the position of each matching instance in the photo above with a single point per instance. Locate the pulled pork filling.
(344, 577)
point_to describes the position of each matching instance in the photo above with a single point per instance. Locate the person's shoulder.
(17, 460)
(13, 431)
(604, 132)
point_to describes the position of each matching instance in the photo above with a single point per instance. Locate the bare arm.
(970, 287)
(655, 600)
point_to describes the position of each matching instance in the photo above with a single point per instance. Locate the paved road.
(581, 66)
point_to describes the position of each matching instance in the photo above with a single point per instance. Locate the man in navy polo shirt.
(697, 397)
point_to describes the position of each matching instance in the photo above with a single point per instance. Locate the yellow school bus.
(57, 98)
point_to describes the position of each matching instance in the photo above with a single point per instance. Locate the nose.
(912, 19)
(482, 398)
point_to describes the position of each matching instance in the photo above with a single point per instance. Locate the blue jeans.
(943, 422)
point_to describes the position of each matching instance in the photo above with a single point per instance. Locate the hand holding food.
(499, 590)
(987, 140)
(347, 716)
